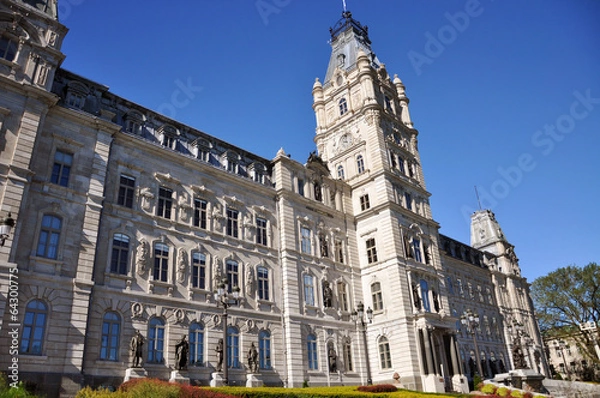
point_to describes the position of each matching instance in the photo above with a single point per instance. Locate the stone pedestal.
(460, 383)
(526, 379)
(253, 380)
(135, 373)
(217, 379)
(179, 376)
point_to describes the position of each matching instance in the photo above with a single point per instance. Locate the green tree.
(567, 298)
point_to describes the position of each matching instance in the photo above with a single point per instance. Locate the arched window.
(385, 360)
(196, 344)
(264, 349)
(156, 340)
(377, 296)
(233, 347)
(120, 254)
(34, 328)
(340, 172)
(360, 164)
(311, 350)
(111, 329)
(347, 347)
(49, 237)
(8, 48)
(161, 262)
(343, 104)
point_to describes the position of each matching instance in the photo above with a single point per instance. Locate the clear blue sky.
(505, 94)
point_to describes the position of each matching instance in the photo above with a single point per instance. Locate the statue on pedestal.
(137, 342)
(219, 351)
(181, 353)
(253, 359)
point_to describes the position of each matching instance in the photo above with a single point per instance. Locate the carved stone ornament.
(137, 310)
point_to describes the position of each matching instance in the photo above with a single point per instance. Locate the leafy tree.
(567, 298)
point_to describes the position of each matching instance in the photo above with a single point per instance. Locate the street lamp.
(471, 321)
(359, 315)
(226, 299)
(6, 226)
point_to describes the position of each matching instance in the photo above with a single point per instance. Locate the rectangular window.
(371, 251)
(61, 168)
(339, 251)
(416, 243)
(49, 237)
(120, 253)
(408, 200)
(305, 245)
(364, 202)
(309, 290)
(133, 126)
(301, 186)
(343, 296)
(348, 357)
(261, 231)
(385, 359)
(165, 202)
(161, 262)
(8, 48)
(311, 348)
(232, 222)
(233, 275)
(199, 218)
(168, 141)
(317, 192)
(377, 296)
(263, 283)
(198, 270)
(126, 191)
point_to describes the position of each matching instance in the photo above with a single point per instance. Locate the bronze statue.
(253, 359)
(219, 351)
(181, 353)
(137, 342)
(332, 360)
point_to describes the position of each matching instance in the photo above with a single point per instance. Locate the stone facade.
(128, 220)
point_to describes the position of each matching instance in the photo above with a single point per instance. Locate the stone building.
(128, 221)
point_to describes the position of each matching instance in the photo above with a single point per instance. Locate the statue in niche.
(250, 281)
(182, 264)
(332, 355)
(436, 301)
(142, 256)
(416, 297)
(137, 343)
(519, 357)
(327, 295)
(182, 349)
(218, 274)
(219, 351)
(253, 359)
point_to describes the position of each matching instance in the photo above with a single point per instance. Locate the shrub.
(488, 389)
(503, 392)
(378, 388)
(516, 394)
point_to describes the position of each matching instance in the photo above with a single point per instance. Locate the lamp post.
(223, 296)
(6, 225)
(471, 321)
(359, 315)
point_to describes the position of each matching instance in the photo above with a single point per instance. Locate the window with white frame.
(312, 353)
(343, 106)
(165, 202)
(309, 290)
(305, 240)
(261, 231)
(425, 295)
(232, 222)
(262, 278)
(364, 202)
(161, 262)
(233, 274)
(196, 344)
(264, 349)
(360, 164)
(377, 296)
(340, 172)
(371, 251)
(339, 251)
(198, 270)
(199, 217)
(156, 340)
(8, 48)
(109, 343)
(233, 347)
(385, 359)
(347, 355)
(342, 290)
(34, 328)
(49, 238)
(120, 254)
(61, 169)
(126, 191)
(416, 246)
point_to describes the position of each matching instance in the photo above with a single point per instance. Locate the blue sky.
(505, 94)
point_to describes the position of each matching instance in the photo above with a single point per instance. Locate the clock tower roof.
(348, 38)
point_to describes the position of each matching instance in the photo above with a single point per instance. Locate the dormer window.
(343, 104)
(202, 150)
(8, 48)
(168, 136)
(231, 160)
(258, 172)
(133, 123)
(76, 95)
